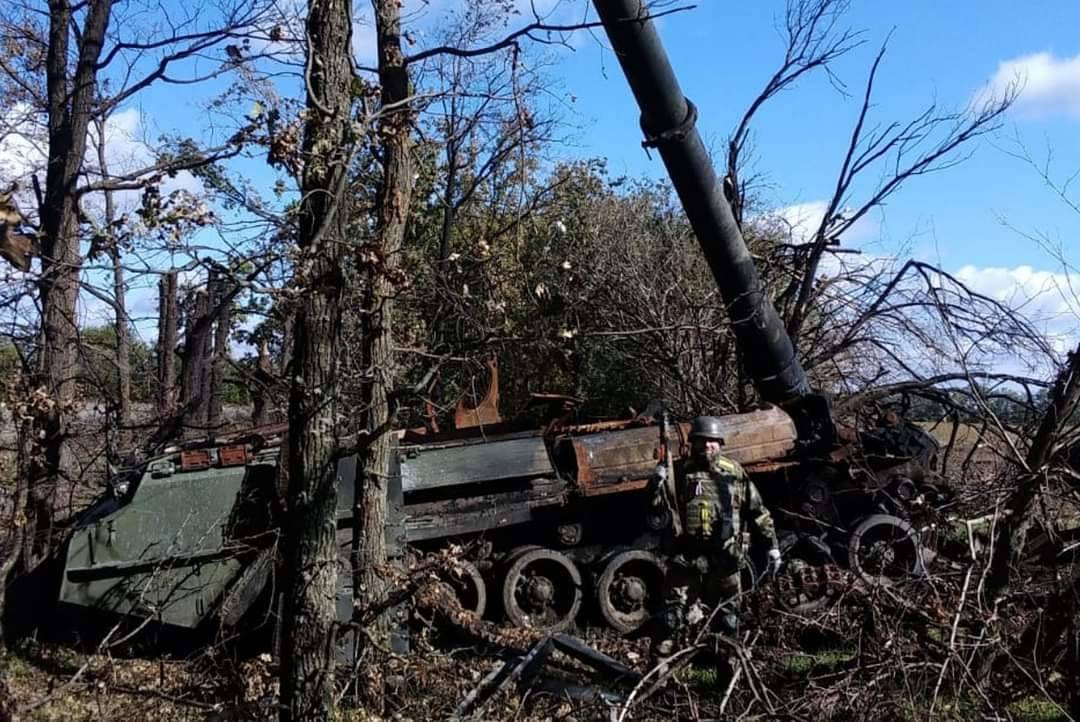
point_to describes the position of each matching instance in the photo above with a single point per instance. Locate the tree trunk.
(123, 345)
(167, 338)
(395, 195)
(195, 383)
(221, 358)
(205, 330)
(1064, 399)
(22, 516)
(310, 548)
(262, 398)
(69, 104)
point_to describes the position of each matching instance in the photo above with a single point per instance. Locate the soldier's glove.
(774, 561)
(658, 500)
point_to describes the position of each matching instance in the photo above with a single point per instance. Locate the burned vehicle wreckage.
(558, 518)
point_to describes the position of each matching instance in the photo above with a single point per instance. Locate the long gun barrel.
(667, 119)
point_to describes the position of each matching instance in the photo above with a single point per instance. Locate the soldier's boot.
(669, 622)
(663, 649)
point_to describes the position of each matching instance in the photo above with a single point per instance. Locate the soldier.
(715, 500)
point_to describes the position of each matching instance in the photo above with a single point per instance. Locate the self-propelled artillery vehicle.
(558, 517)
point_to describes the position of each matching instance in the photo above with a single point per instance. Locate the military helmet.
(706, 427)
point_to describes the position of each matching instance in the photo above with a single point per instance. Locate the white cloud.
(801, 221)
(1049, 300)
(1045, 295)
(23, 148)
(1048, 84)
(21, 139)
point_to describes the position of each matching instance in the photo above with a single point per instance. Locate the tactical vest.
(713, 499)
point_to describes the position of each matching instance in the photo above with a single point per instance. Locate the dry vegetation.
(416, 229)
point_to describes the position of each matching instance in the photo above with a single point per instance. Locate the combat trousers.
(690, 597)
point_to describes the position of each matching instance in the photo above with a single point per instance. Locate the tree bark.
(69, 107)
(167, 339)
(1064, 400)
(262, 399)
(22, 517)
(394, 198)
(205, 330)
(221, 358)
(195, 383)
(311, 555)
(123, 345)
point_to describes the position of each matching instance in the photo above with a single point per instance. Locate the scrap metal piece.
(510, 670)
(525, 669)
(486, 411)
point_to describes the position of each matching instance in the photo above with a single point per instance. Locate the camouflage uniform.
(719, 505)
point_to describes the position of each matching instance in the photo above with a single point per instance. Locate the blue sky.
(948, 52)
(723, 51)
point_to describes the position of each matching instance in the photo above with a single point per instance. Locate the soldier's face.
(704, 446)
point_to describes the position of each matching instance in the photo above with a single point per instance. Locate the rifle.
(667, 491)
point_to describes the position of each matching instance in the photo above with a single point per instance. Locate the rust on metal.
(599, 426)
(612, 459)
(232, 455)
(486, 412)
(194, 459)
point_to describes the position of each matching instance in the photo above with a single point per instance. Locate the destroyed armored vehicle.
(557, 520)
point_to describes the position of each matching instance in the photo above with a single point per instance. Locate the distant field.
(967, 433)
(986, 464)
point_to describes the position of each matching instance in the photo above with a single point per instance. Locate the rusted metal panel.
(763, 435)
(606, 426)
(626, 455)
(434, 468)
(766, 467)
(195, 459)
(486, 411)
(233, 455)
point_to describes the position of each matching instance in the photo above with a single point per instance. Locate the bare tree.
(168, 313)
(122, 322)
(895, 151)
(813, 43)
(311, 555)
(77, 66)
(220, 364)
(382, 274)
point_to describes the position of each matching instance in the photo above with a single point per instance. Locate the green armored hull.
(173, 544)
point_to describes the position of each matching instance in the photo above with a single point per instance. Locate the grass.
(1035, 709)
(947, 709)
(40, 676)
(823, 661)
(701, 677)
(13, 665)
(1026, 709)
